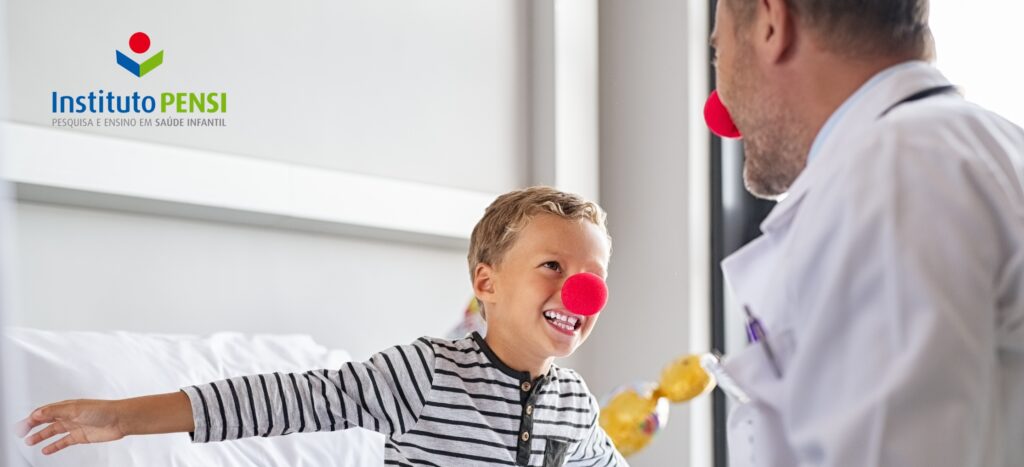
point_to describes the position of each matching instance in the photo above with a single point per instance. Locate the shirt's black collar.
(500, 365)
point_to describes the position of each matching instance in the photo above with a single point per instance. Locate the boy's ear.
(483, 282)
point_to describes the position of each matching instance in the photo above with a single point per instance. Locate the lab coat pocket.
(755, 429)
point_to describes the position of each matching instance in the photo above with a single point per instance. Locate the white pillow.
(114, 365)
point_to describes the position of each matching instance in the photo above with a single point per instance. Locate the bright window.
(978, 45)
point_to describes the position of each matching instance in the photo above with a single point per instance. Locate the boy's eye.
(553, 265)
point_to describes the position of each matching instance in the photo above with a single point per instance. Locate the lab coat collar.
(746, 270)
(897, 83)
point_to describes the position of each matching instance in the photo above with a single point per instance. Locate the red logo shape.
(139, 43)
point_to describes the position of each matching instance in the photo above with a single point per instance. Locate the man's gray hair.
(859, 28)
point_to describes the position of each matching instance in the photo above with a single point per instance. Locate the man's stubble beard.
(775, 147)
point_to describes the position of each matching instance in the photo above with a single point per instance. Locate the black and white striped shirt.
(437, 402)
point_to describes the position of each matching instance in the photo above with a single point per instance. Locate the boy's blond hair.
(499, 228)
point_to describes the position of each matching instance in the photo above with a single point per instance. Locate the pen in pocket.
(756, 333)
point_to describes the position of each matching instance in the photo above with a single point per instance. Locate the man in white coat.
(890, 277)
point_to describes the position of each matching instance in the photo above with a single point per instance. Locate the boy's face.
(523, 295)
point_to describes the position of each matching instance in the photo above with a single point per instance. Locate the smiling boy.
(494, 400)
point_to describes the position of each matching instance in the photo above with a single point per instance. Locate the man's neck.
(830, 81)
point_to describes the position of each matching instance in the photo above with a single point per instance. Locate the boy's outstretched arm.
(97, 421)
(384, 394)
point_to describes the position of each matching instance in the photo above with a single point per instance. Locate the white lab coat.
(891, 284)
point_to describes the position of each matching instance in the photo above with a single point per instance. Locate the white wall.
(432, 92)
(424, 91)
(94, 270)
(644, 187)
(10, 395)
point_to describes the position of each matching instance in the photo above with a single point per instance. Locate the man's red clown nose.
(718, 119)
(584, 293)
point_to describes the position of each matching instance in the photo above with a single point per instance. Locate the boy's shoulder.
(570, 390)
(566, 374)
(431, 347)
(570, 381)
(463, 345)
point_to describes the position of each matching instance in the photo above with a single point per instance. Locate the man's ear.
(774, 30)
(483, 282)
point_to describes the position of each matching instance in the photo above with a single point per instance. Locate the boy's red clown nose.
(584, 293)
(718, 119)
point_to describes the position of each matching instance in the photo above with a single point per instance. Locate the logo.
(139, 43)
(106, 107)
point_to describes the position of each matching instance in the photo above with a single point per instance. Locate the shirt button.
(529, 410)
(526, 386)
(525, 436)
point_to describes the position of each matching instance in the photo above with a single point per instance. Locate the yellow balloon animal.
(634, 413)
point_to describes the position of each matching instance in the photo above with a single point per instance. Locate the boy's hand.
(84, 421)
(96, 421)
